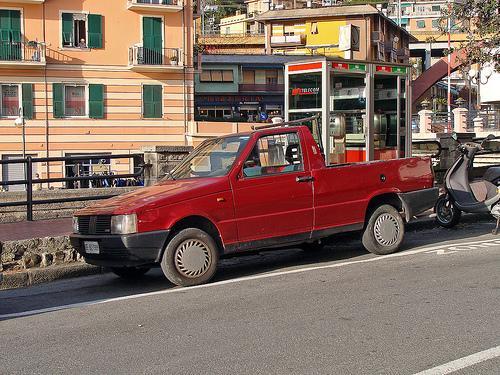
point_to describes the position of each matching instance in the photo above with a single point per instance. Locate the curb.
(35, 276)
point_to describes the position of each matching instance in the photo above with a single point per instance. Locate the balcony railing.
(31, 52)
(264, 87)
(142, 58)
(155, 5)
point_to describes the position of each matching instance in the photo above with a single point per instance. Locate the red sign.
(340, 66)
(309, 66)
(386, 69)
(305, 91)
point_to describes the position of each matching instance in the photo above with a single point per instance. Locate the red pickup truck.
(242, 192)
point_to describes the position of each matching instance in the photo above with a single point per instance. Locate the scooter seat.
(492, 174)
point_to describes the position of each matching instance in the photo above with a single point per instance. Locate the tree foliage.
(480, 21)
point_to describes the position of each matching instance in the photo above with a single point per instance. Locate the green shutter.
(152, 101)
(67, 29)
(96, 101)
(27, 89)
(94, 31)
(152, 40)
(57, 100)
(10, 34)
(157, 101)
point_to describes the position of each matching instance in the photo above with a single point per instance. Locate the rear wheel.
(385, 231)
(190, 258)
(447, 214)
(129, 272)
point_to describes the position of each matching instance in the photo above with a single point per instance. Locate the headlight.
(74, 224)
(124, 224)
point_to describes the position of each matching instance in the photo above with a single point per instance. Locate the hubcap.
(386, 230)
(192, 258)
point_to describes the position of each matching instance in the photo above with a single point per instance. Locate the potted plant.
(173, 60)
(31, 43)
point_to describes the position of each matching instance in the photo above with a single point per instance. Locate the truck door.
(273, 190)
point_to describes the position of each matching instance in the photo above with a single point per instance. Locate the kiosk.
(364, 107)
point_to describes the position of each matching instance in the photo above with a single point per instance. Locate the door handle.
(304, 178)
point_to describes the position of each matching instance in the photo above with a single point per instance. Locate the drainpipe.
(184, 108)
(46, 97)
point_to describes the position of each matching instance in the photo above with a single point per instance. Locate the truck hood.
(160, 194)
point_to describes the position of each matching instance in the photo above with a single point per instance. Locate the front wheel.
(384, 232)
(447, 214)
(190, 258)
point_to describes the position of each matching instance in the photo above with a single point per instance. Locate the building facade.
(94, 77)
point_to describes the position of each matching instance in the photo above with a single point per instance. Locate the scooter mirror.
(454, 136)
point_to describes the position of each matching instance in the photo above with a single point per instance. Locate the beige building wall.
(123, 127)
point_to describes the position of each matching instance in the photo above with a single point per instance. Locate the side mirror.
(454, 136)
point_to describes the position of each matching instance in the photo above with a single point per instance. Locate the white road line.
(247, 278)
(464, 362)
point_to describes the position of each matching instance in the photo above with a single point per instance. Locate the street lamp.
(476, 76)
(20, 123)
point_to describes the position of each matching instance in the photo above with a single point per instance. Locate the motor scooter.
(458, 196)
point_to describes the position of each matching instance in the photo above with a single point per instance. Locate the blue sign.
(262, 116)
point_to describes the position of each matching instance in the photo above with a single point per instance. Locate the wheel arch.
(386, 198)
(199, 222)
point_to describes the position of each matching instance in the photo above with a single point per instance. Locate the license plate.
(91, 247)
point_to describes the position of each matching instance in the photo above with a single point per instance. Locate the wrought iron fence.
(29, 181)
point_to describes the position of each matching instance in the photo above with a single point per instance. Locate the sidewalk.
(23, 230)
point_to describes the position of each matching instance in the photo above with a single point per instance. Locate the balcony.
(288, 40)
(141, 59)
(23, 1)
(403, 53)
(19, 55)
(261, 87)
(155, 5)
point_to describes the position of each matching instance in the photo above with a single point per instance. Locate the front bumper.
(418, 201)
(129, 250)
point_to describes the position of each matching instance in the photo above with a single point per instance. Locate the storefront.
(364, 107)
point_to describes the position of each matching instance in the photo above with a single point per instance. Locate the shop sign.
(305, 91)
(398, 70)
(338, 65)
(385, 69)
(232, 98)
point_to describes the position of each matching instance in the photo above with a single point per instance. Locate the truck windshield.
(212, 158)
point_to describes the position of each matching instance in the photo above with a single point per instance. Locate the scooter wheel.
(447, 214)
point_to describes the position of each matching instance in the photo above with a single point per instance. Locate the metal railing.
(18, 51)
(138, 55)
(29, 181)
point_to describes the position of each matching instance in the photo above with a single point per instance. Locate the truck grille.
(94, 224)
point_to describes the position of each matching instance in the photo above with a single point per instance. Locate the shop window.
(80, 30)
(216, 76)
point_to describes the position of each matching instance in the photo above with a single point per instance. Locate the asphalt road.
(433, 307)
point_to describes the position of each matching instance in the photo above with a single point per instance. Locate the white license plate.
(91, 247)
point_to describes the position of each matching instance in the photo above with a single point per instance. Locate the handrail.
(29, 181)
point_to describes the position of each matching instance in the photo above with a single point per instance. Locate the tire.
(384, 232)
(447, 214)
(190, 258)
(129, 272)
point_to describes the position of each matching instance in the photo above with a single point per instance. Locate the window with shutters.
(81, 30)
(72, 100)
(216, 76)
(152, 97)
(14, 97)
(10, 35)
